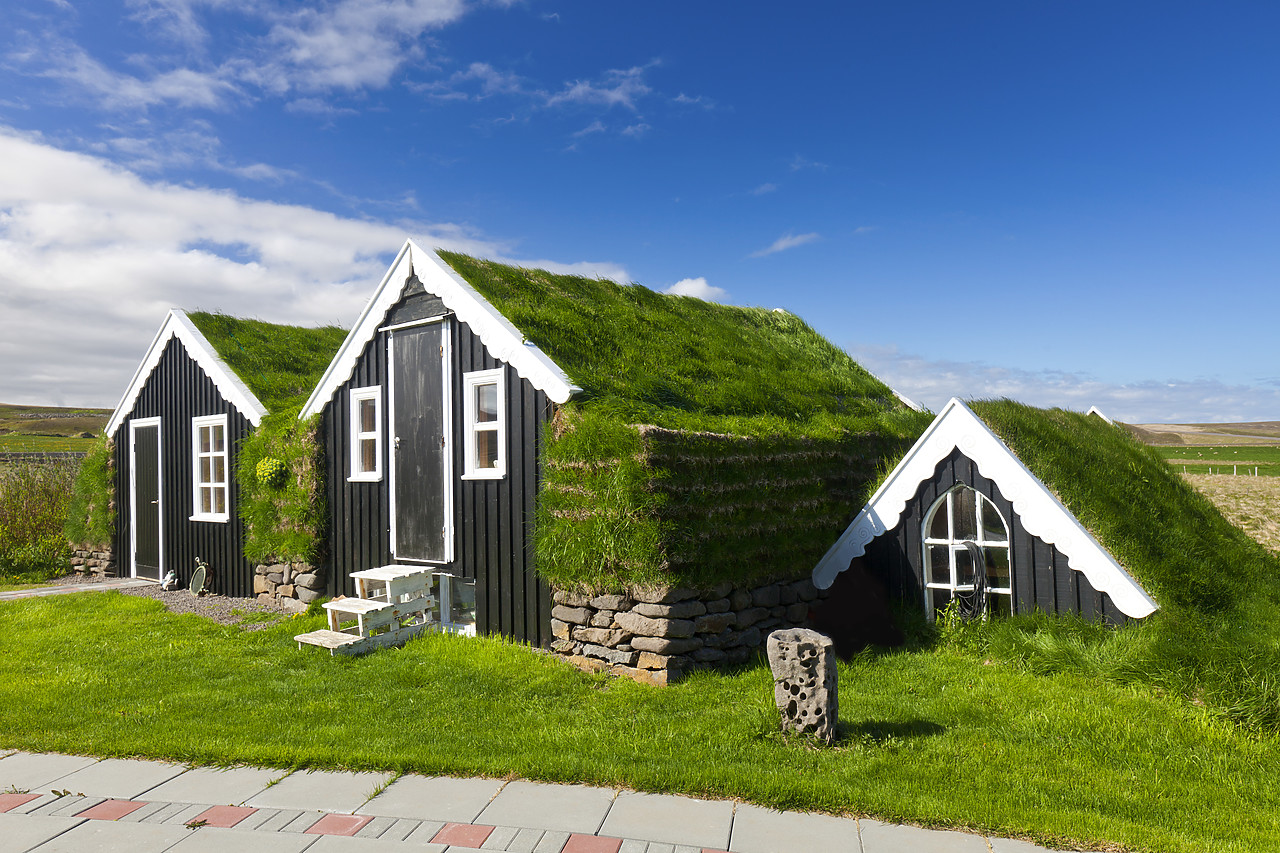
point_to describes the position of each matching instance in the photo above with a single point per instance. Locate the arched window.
(966, 555)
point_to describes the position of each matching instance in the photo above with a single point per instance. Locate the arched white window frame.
(957, 543)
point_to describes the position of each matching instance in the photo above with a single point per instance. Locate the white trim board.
(1042, 514)
(178, 325)
(503, 340)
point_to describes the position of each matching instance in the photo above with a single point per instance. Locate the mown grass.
(17, 443)
(1222, 459)
(938, 735)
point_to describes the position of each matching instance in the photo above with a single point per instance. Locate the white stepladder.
(393, 604)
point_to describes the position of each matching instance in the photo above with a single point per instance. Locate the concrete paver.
(760, 830)
(36, 772)
(340, 844)
(120, 778)
(442, 798)
(23, 832)
(108, 836)
(320, 790)
(670, 819)
(229, 786)
(880, 837)
(223, 840)
(567, 808)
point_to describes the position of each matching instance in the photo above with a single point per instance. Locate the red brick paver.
(12, 801)
(338, 824)
(223, 817)
(111, 810)
(463, 834)
(591, 844)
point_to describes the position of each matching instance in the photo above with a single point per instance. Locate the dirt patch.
(1250, 503)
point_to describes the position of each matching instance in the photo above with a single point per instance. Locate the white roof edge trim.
(503, 340)
(178, 324)
(1043, 515)
(1094, 410)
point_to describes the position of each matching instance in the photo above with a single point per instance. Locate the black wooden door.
(418, 443)
(146, 501)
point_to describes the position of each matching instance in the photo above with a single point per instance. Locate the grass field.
(942, 735)
(15, 443)
(1199, 459)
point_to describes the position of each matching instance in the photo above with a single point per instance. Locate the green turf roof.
(280, 364)
(1169, 536)
(680, 362)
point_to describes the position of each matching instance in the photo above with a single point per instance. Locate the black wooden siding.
(177, 391)
(493, 520)
(1041, 578)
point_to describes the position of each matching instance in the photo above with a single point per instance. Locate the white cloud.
(476, 82)
(619, 87)
(764, 189)
(787, 241)
(173, 19)
(698, 288)
(595, 127)
(800, 162)
(113, 90)
(699, 101)
(932, 383)
(92, 256)
(866, 229)
(636, 130)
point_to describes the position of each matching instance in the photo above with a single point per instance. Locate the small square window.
(210, 468)
(484, 425)
(366, 434)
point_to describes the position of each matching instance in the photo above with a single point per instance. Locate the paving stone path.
(52, 803)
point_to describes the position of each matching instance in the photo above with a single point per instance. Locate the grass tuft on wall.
(284, 515)
(91, 516)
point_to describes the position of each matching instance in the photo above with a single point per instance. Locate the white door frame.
(134, 425)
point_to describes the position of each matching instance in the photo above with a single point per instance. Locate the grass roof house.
(534, 434)
(1004, 508)
(204, 390)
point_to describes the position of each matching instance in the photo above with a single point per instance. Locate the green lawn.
(938, 736)
(1200, 459)
(16, 443)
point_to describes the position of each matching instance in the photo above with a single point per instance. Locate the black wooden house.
(961, 517)
(432, 415)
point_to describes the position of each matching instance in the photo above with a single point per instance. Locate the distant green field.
(1221, 459)
(14, 443)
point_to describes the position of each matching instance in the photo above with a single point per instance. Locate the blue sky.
(1067, 203)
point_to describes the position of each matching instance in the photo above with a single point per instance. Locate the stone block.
(588, 664)
(804, 681)
(572, 599)
(575, 615)
(664, 646)
(767, 625)
(679, 610)
(563, 646)
(765, 596)
(261, 569)
(311, 580)
(714, 623)
(285, 590)
(559, 629)
(601, 636)
(644, 626)
(738, 654)
(262, 586)
(305, 595)
(777, 612)
(805, 589)
(610, 602)
(705, 655)
(276, 577)
(656, 677)
(720, 590)
(751, 616)
(718, 641)
(718, 605)
(649, 660)
(662, 594)
(288, 574)
(611, 655)
(798, 612)
(786, 595)
(750, 638)
(602, 619)
(739, 599)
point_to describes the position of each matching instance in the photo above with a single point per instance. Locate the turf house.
(638, 480)
(195, 407)
(1066, 512)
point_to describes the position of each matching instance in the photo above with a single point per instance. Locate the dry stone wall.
(89, 561)
(301, 581)
(657, 635)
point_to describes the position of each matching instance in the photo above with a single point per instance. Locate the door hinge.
(442, 350)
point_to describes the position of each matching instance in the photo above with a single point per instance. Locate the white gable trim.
(503, 340)
(1094, 410)
(1043, 515)
(178, 325)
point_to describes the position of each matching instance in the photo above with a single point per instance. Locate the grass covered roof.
(683, 363)
(280, 364)
(1167, 535)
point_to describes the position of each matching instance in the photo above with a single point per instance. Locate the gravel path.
(220, 608)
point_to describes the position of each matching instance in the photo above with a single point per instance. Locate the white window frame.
(198, 424)
(359, 395)
(954, 545)
(470, 381)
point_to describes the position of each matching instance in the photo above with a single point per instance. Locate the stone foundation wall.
(86, 561)
(301, 581)
(657, 635)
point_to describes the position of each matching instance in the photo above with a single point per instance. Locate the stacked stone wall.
(301, 581)
(90, 561)
(658, 635)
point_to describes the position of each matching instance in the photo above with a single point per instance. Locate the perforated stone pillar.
(804, 681)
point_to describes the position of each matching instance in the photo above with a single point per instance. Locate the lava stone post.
(804, 681)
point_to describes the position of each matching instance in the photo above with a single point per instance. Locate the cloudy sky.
(1070, 203)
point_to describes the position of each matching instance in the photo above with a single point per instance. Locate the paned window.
(966, 556)
(455, 605)
(210, 460)
(485, 420)
(366, 433)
